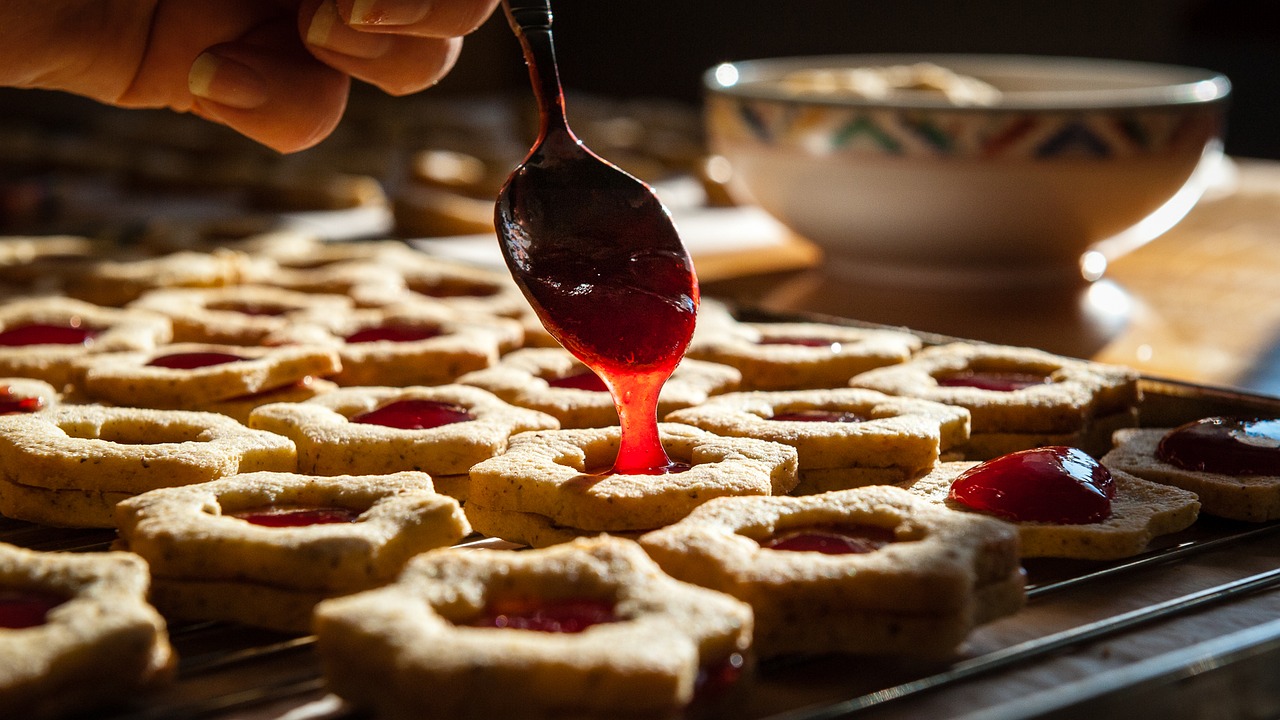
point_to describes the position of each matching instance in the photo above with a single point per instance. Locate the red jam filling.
(997, 381)
(295, 516)
(831, 539)
(393, 333)
(415, 415)
(73, 333)
(584, 380)
(11, 404)
(802, 342)
(716, 678)
(1226, 446)
(568, 615)
(193, 360)
(23, 609)
(1054, 484)
(819, 416)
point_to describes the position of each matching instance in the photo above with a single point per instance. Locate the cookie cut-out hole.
(26, 608)
(74, 332)
(393, 333)
(562, 615)
(1000, 381)
(296, 516)
(831, 539)
(816, 415)
(582, 380)
(248, 308)
(193, 360)
(812, 342)
(14, 404)
(450, 287)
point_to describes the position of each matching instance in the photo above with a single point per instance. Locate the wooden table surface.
(1200, 303)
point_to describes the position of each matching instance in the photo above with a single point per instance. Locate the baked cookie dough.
(1018, 398)
(435, 281)
(910, 579)
(552, 381)
(217, 549)
(591, 629)
(119, 282)
(77, 634)
(844, 437)
(238, 314)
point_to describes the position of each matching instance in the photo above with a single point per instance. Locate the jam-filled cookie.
(1018, 398)
(441, 430)
(791, 356)
(870, 570)
(1231, 463)
(1065, 503)
(436, 281)
(553, 381)
(76, 633)
(591, 629)
(43, 337)
(118, 282)
(19, 396)
(44, 263)
(844, 437)
(565, 476)
(71, 465)
(238, 314)
(263, 548)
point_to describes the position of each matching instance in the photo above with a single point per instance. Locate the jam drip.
(73, 333)
(393, 333)
(831, 539)
(191, 361)
(11, 404)
(568, 615)
(1227, 446)
(996, 381)
(585, 380)
(818, 416)
(1054, 484)
(415, 415)
(23, 609)
(296, 516)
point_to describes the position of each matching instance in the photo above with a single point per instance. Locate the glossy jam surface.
(831, 539)
(415, 415)
(73, 333)
(584, 380)
(997, 381)
(1226, 446)
(191, 361)
(568, 615)
(11, 404)
(393, 333)
(818, 416)
(296, 516)
(802, 342)
(1054, 484)
(24, 608)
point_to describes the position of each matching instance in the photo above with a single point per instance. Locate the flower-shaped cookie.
(553, 381)
(69, 466)
(871, 570)
(792, 356)
(23, 395)
(436, 281)
(588, 629)
(118, 282)
(237, 314)
(1018, 397)
(844, 437)
(76, 632)
(263, 548)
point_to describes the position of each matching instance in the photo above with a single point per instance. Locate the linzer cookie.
(591, 629)
(845, 437)
(117, 283)
(23, 395)
(76, 633)
(1018, 398)
(565, 476)
(435, 281)
(1231, 463)
(1065, 503)
(791, 356)
(554, 382)
(44, 263)
(263, 548)
(43, 337)
(441, 430)
(71, 465)
(871, 570)
(237, 315)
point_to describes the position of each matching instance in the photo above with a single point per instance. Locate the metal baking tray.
(1189, 629)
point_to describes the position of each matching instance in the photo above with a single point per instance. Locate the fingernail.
(226, 82)
(389, 12)
(328, 31)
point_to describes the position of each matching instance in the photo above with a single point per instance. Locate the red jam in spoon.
(1227, 446)
(818, 416)
(23, 608)
(393, 333)
(73, 333)
(415, 415)
(1055, 484)
(11, 404)
(296, 516)
(997, 381)
(584, 380)
(193, 360)
(568, 615)
(831, 539)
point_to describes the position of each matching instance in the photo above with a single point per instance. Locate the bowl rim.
(1169, 86)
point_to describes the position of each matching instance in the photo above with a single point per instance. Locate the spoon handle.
(531, 22)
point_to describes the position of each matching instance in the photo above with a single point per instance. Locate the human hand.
(277, 71)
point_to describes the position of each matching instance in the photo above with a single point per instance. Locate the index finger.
(421, 18)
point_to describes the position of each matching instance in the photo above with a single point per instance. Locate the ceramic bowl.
(1067, 157)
